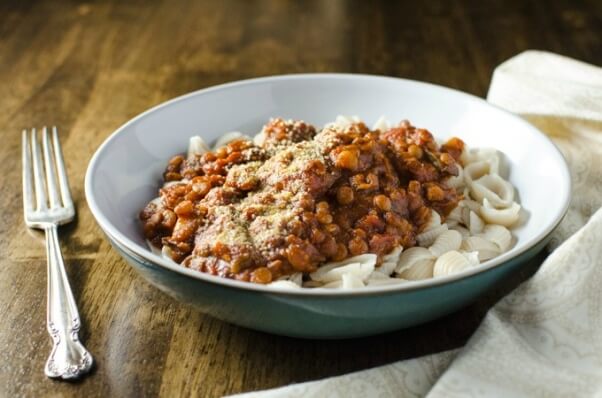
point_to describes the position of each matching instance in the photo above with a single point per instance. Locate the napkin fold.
(544, 338)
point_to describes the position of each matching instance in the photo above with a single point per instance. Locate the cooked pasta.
(428, 237)
(507, 216)
(197, 146)
(499, 235)
(475, 223)
(484, 248)
(448, 241)
(450, 263)
(418, 272)
(414, 257)
(493, 188)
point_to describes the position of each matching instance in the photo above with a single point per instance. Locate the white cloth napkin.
(545, 338)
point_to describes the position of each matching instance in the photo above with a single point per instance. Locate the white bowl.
(125, 174)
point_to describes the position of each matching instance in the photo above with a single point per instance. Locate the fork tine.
(27, 178)
(60, 168)
(53, 189)
(38, 173)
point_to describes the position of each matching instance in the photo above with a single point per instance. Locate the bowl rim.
(146, 254)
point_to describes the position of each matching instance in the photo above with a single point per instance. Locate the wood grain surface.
(89, 67)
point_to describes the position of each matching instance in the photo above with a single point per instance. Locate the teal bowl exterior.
(324, 317)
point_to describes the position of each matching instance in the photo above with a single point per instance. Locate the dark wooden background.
(89, 67)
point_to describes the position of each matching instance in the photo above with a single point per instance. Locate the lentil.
(299, 198)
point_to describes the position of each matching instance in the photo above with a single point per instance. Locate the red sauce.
(301, 198)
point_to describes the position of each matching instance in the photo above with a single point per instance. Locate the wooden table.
(88, 68)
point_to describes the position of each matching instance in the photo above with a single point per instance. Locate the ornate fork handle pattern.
(69, 358)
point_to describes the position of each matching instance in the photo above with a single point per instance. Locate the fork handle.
(69, 358)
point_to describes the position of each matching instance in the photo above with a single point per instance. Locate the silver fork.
(47, 204)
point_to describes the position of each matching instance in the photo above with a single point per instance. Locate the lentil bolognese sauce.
(297, 198)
